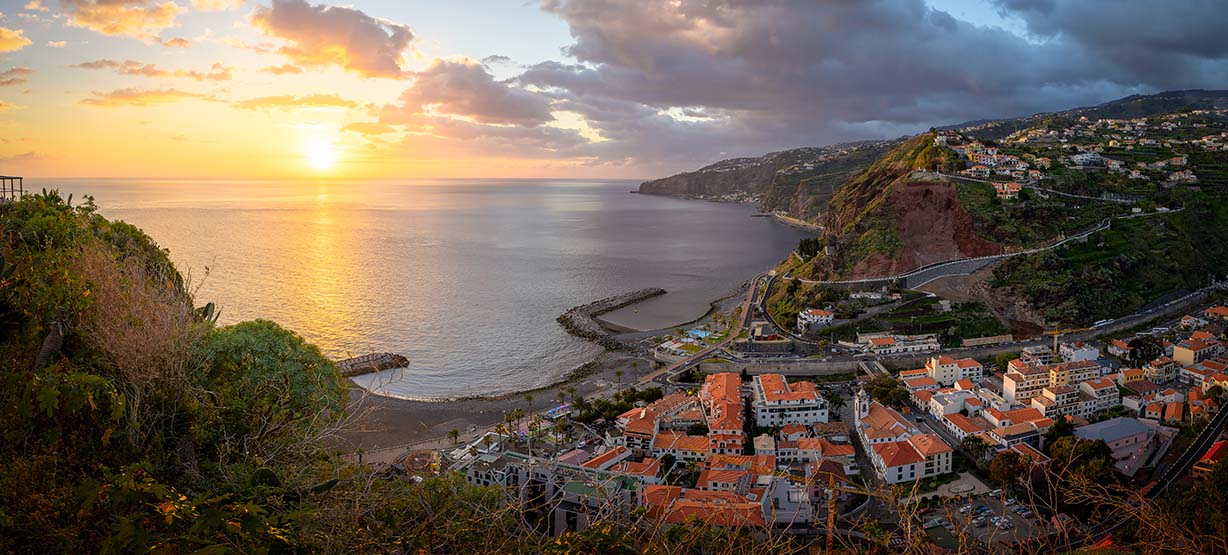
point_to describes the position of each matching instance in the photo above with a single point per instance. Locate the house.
(882, 343)
(1131, 375)
(946, 370)
(776, 402)
(1104, 391)
(1174, 412)
(1120, 349)
(1023, 382)
(1216, 313)
(1162, 369)
(1036, 355)
(914, 458)
(1008, 190)
(1192, 322)
(814, 318)
(1217, 453)
(1078, 351)
(1220, 379)
(1132, 440)
(1195, 350)
(1072, 373)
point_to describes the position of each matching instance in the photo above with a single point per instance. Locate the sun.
(320, 154)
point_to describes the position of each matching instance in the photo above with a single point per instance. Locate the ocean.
(464, 277)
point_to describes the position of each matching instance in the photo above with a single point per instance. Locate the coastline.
(384, 426)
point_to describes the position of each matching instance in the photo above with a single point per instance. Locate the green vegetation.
(146, 427)
(789, 297)
(1029, 220)
(608, 409)
(807, 247)
(1119, 270)
(887, 391)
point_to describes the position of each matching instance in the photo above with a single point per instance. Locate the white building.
(814, 318)
(1078, 351)
(777, 402)
(899, 451)
(946, 370)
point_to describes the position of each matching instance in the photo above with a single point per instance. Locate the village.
(769, 451)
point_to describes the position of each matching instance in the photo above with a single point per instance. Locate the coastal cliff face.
(748, 176)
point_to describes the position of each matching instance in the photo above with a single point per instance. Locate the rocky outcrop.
(581, 320)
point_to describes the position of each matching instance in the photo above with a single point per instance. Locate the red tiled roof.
(897, 453)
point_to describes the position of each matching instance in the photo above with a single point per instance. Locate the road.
(1191, 455)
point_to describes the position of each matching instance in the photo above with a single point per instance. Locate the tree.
(1216, 391)
(619, 375)
(1007, 467)
(1003, 359)
(834, 399)
(1062, 427)
(635, 368)
(454, 435)
(975, 446)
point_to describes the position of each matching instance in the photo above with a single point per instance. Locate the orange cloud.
(15, 76)
(335, 36)
(216, 5)
(142, 19)
(57, 43)
(5, 106)
(368, 128)
(12, 41)
(141, 97)
(176, 43)
(291, 101)
(217, 72)
(282, 69)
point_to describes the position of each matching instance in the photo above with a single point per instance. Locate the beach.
(385, 427)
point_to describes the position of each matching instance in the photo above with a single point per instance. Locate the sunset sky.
(517, 88)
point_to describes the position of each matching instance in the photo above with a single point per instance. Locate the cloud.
(141, 97)
(15, 76)
(673, 84)
(31, 155)
(36, 6)
(292, 101)
(216, 5)
(323, 35)
(6, 106)
(217, 72)
(282, 69)
(368, 128)
(142, 19)
(57, 43)
(176, 43)
(12, 40)
(466, 89)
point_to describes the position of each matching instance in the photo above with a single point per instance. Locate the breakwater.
(371, 362)
(581, 320)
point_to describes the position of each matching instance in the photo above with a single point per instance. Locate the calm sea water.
(465, 278)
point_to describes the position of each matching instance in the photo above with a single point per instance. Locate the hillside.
(884, 220)
(804, 192)
(750, 176)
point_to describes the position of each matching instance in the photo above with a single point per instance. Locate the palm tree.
(635, 368)
(454, 435)
(571, 393)
(486, 441)
(518, 415)
(561, 396)
(528, 398)
(619, 374)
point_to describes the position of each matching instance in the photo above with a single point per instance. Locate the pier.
(581, 320)
(372, 362)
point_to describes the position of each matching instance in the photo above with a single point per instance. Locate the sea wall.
(368, 363)
(581, 320)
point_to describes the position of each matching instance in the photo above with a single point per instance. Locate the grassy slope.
(1120, 270)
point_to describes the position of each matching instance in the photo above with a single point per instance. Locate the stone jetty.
(371, 362)
(581, 320)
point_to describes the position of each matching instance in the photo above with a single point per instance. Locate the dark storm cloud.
(753, 76)
(1172, 44)
(669, 84)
